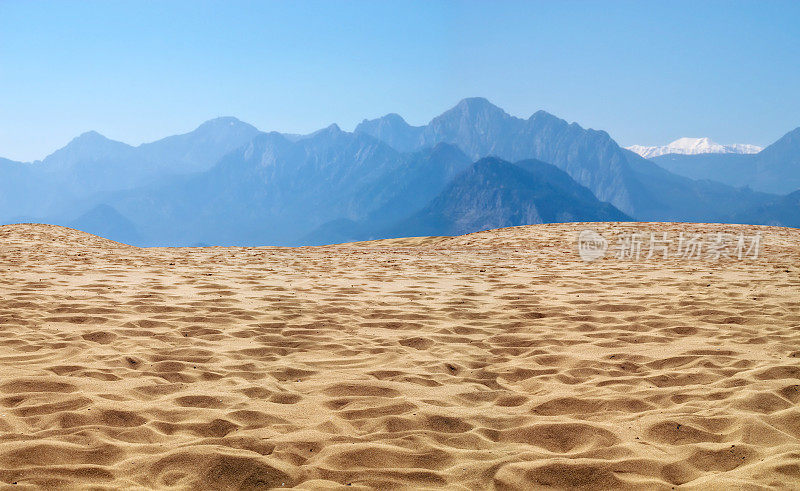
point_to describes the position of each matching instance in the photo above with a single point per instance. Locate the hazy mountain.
(728, 168)
(227, 184)
(92, 165)
(778, 165)
(89, 164)
(590, 157)
(776, 169)
(105, 221)
(481, 129)
(677, 198)
(16, 185)
(200, 149)
(417, 180)
(393, 130)
(493, 193)
(92, 160)
(783, 211)
(693, 146)
(421, 176)
(87, 147)
(273, 191)
(490, 193)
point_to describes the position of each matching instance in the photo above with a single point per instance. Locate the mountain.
(493, 193)
(200, 149)
(16, 185)
(677, 198)
(592, 158)
(778, 165)
(421, 176)
(87, 147)
(728, 168)
(693, 146)
(274, 191)
(481, 129)
(76, 176)
(416, 181)
(93, 160)
(393, 130)
(775, 169)
(783, 211)
(105, 221)
(226, 183)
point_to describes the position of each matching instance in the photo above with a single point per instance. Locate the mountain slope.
(273, 191)
(728, 168)
(107, 222)
(590, 157)
(417, 180)
(87, 147)
(91, 166)
(783, 211)
(481, 129)
(200, 149)
(493, 193)
(17, 183)
(393, 130)
(227, 184)
(776, 169)
(678, 198)
(778, 165)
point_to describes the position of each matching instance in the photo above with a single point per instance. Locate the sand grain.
(497, 359)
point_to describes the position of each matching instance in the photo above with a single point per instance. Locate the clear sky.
(646, 72)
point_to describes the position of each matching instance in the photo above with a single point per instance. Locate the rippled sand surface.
(493, 360)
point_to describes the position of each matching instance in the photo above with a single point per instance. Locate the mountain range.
(774, 169)
(471, 168)
(693, 146)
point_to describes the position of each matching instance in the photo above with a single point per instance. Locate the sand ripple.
(493, 360)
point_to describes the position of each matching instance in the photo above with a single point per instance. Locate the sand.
(494, 360)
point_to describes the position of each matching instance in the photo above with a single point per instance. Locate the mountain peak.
(92, 140)
(331, 130)
(88, 146)
(224, 123)
(393, 130)
(541, 113)
(393, 118)
(389, 122)
(89, 137)
(472, 105)
(791, 139)
(693, 146)
(785, 151)
(473, 115)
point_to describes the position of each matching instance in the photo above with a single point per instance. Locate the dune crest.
(495, 359)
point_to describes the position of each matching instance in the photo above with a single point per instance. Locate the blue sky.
(646, 72)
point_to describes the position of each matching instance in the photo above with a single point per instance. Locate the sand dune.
(493, 360)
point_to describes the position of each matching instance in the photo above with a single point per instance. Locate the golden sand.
(493, 360)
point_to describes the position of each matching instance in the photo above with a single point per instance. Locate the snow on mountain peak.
(693, 146)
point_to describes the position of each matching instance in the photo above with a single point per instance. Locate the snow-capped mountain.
(693, 146)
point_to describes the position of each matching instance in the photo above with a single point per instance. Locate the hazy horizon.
(646, 73)
(347, 129)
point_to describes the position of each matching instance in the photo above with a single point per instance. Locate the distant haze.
(646, 72)
(471, 168)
